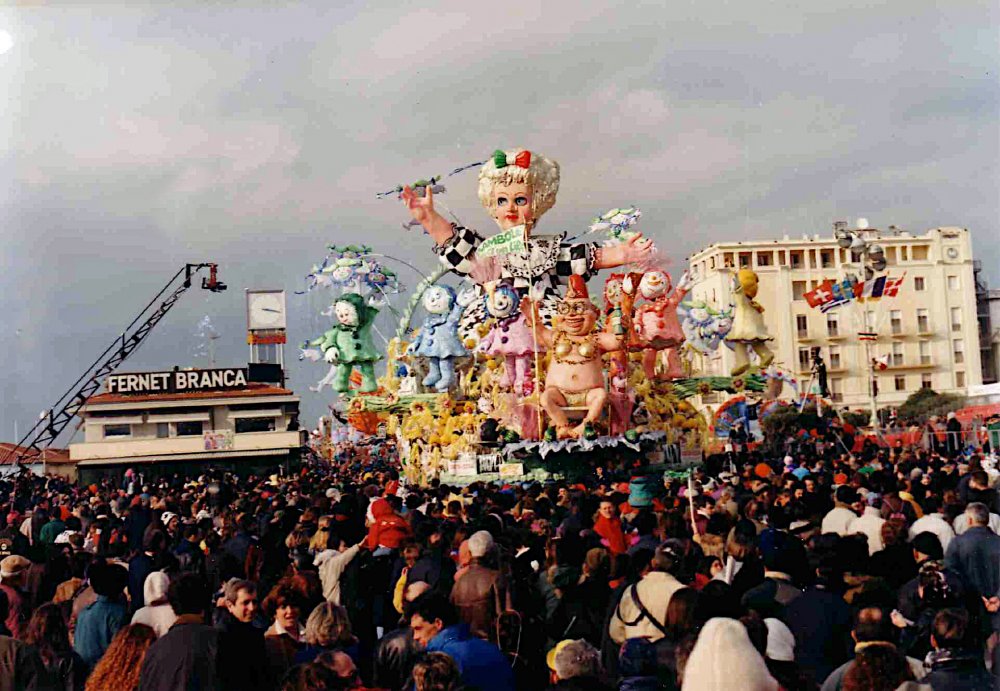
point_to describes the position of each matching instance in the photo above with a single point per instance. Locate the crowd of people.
(816, 570)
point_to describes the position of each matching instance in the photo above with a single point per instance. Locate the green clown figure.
(348, 345)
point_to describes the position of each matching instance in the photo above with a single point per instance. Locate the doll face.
(437, 300)
(699, 315)
(654, 284)
(502, 303)
(342, 274)
(512, 205)
(577, 316)
(613, 291)
(748, 281)
(346, 313)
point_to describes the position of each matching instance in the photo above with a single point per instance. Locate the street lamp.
(873, 260)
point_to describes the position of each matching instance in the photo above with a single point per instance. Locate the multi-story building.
(186, 420)
(928, 333)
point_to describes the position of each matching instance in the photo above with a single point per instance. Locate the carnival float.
(501, 359)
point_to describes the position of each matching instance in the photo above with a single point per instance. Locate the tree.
(927, 403)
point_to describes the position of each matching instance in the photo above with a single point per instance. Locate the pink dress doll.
(510, 337)
(655, 323)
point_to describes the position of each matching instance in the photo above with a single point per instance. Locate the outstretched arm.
(635, 251)
(530, 310)
(423, 212)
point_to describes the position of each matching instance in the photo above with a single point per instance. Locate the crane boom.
(52, 423)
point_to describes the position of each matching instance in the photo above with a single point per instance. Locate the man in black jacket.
(186, 656)
(242, 659)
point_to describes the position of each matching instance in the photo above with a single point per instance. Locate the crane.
(52, 422)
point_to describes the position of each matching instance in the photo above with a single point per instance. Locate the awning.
(180, 417)
(244, 414)
(184, 457)
(117, 420)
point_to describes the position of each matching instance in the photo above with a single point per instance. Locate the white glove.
(331, 355)
(628, 286)
(687, 278)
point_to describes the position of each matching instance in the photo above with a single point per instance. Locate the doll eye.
(521, 201)
(501, 201)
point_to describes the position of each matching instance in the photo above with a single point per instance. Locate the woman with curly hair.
(48, 632)
(120, 666)
(436, 672)
(877, 668)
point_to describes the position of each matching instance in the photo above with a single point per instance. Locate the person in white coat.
(158, 614)
(642, 610)
(840, 516)
(724, 659)
(331, 563)
(870, 523)
(933, 521)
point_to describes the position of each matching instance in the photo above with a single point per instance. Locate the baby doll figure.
(656, 326)
(749, 331)
(438, 339)
(510, 337)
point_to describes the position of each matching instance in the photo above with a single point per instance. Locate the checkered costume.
(541, 272)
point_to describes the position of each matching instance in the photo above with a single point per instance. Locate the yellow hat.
(550, 658)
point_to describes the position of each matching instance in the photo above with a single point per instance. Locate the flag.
(843, 292)
(870, 290)
(820, 295)
(893, 285)
(881, 363)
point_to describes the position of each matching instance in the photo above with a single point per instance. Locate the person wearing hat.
(842, 514)
(13, 571)
(574, 666)
(642, 610)
(99, 622)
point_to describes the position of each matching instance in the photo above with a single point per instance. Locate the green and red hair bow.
(522, 159)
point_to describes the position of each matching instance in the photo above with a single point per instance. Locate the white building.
(183, 420)
(928, 332)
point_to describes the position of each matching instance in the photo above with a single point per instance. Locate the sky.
(137, 137)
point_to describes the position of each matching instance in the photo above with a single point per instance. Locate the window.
(711, 263)
(896, 320)
(832, 326)
(764, 258)
(897, 354)
(727, 259)
(900, 382)
(855, 257)
(805, 360)
(904, 253)
(836, 390)
(745, 260)
(189, 429)
(796, 259)
(956, 318)
(834, 357)
(953, 283)
(802, 325)
(117, 431)
(923, 321)
(960, 380)
(798, 290)
(162, 430)
(958, 350)
(254, 424)
(826, 259)
(925, 353)
(918, 283)
(920, 253)
(926, 381)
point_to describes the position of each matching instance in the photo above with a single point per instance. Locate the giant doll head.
(577, 314)
(502, 302)
(516, 187)
(654, 284)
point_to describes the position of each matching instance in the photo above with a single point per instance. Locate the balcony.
(126, 447)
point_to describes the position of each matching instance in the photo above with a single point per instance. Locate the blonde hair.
(542, 174)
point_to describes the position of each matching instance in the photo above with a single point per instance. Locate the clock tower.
(266, 326)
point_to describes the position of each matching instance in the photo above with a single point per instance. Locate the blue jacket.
(481, 663)
(96, 626)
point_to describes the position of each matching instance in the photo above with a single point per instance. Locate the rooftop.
(9, 453)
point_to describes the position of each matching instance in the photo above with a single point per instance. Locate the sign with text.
(508, 241)
(464, 464)
(180, 381)
(489, 462)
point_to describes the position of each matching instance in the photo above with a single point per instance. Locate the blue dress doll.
(438, 339)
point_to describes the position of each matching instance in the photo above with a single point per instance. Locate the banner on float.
(488, 462)
(511, 471)
(464, 465)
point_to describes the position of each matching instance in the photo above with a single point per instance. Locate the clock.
(265, 309)
(952, 253)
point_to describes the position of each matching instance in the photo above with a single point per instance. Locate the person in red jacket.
(389, 529)
(609, 527)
